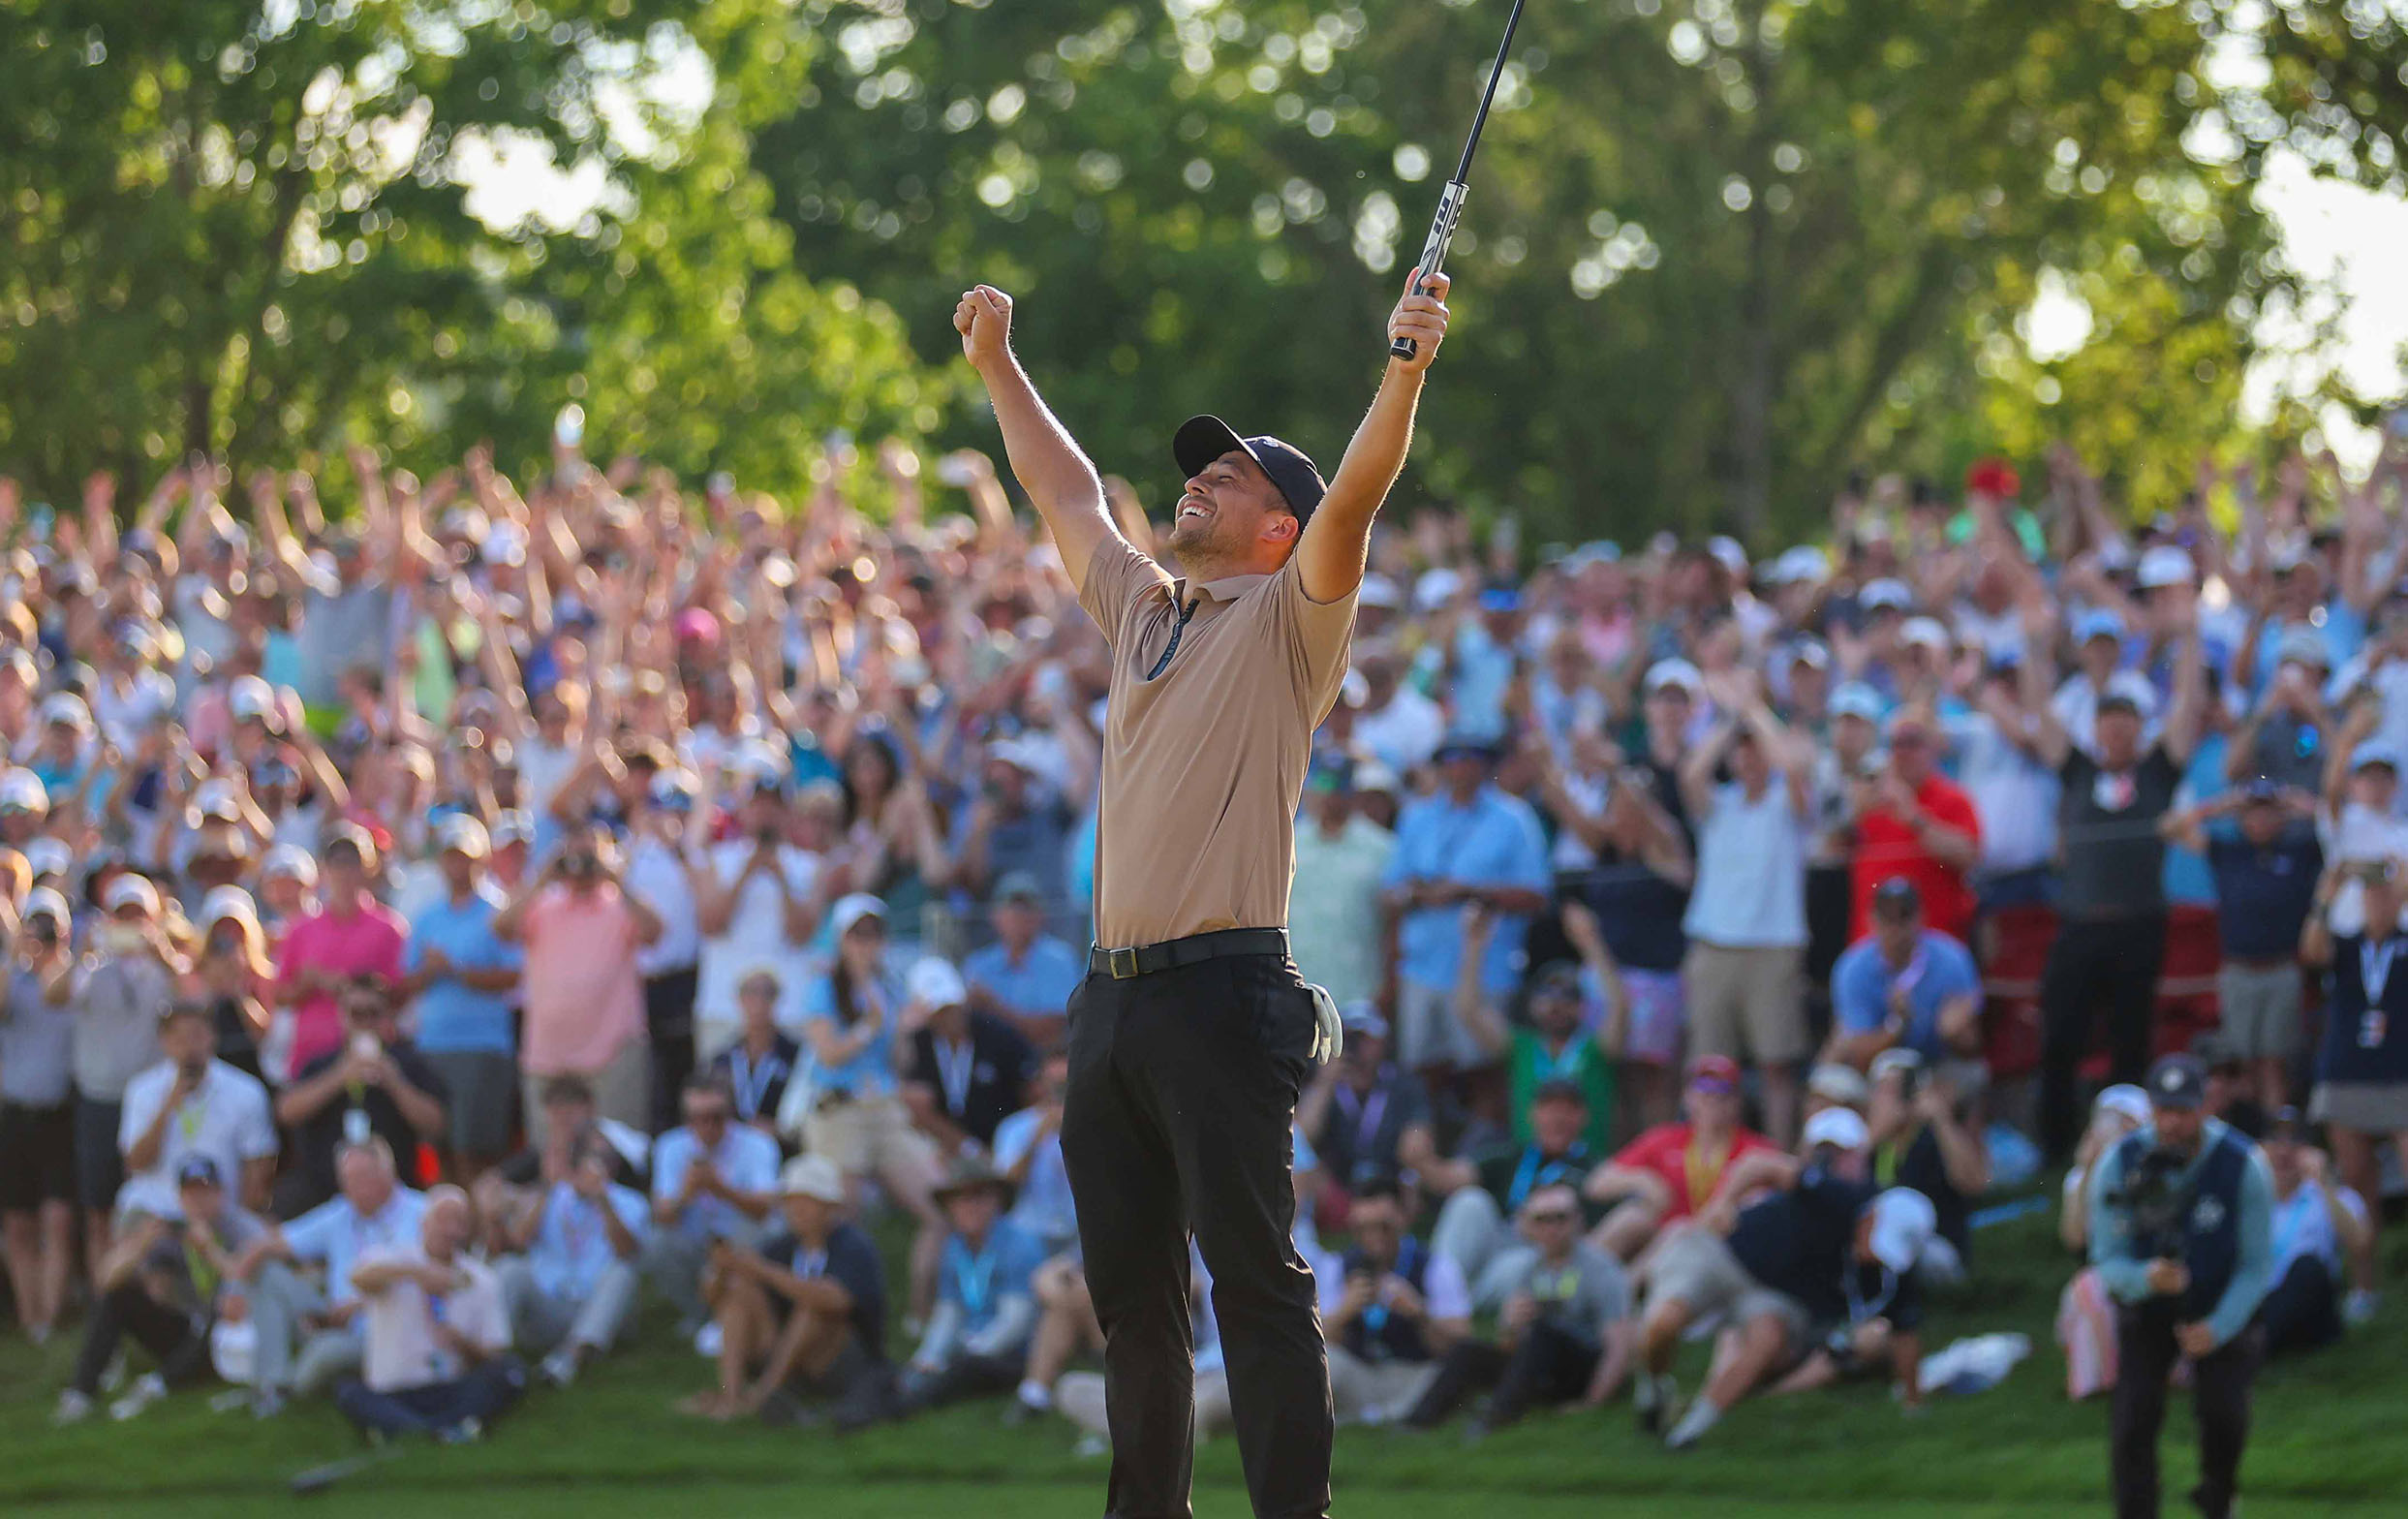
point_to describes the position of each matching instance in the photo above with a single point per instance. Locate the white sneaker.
(2360, 1306)
(73, 1408)
(708, 1339)
(560, 1368)
(148, 1388)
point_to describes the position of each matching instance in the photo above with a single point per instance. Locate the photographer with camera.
(2182, 1232)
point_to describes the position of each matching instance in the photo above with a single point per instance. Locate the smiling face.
(1230, 513)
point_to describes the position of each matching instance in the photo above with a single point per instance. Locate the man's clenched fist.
(983, 319)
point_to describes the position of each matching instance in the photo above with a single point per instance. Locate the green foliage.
(247, 230)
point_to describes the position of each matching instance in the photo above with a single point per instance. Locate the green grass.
(2327, 1443)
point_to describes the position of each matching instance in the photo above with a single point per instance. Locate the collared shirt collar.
(1228, 588)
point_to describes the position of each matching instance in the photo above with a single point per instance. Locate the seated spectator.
(2265, 877)
(1561, 1041)
(1471, 844)
(1927, 1138)
(1884, 1305)
(1028, 1148)
(977, 1339)
(1401, 1307)
(1067, 1327)
(967, 1070)
(1483, 1194)
(378, 1084)
(1365, 1117)
(2323, 1237)
(2085, 1316)
(191, 1103)
(1773, 1268)
(1903, 986)
(572, 1291)
(1027, 976)
(713, 1181)
(803, 1310)
(757, 1068)
(435, 1356)
(1671, 1171)
(307, 1333)
(348, 934)
(583, 994)
(460, 975)
(165, 1282)
(1565, 1334)
(2362, 1068)
(38, 1119)
(570, 1117)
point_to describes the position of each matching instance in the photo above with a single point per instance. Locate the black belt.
(1194, 950)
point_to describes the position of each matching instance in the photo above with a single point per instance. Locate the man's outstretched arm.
(1329, 557)
(1050, 467)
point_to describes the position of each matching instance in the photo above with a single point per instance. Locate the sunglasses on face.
(1551, 1217)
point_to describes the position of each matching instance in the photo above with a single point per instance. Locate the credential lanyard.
(955, 1065)
(975, 1274)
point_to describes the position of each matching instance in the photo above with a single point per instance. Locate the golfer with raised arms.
(1193, 1033)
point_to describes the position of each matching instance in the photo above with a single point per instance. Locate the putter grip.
(1432, 258)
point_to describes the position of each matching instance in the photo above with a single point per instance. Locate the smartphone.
(568, 428)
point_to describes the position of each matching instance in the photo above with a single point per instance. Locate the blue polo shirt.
(746, 1158)
(335, 1235)
(2263, 895)
(453, 1018)
(1495, 841)
(572, 1246)
(1041, 981)
(976, 1281)
(1940, 969)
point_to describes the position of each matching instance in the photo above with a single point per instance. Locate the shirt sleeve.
(257, 1140)
(1855, 995)
(1318, 633)
(311, 1236)
(2255, 1274)
(671, 1155)
(1443, 1291)
(2124, 1273)
(1117, 575)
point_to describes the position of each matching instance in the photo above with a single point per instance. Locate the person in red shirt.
(1913, 822)
(1673, 1170)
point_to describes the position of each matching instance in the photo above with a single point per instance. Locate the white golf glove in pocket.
(1328, 1035)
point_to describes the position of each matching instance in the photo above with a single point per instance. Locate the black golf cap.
(2179, 1082)
(1200, 440)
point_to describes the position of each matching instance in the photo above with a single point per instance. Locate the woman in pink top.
(349, 934)
(583, 996)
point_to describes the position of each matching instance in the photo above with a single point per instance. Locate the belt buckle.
(1121, 963)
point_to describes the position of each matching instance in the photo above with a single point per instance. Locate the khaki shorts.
(1746, 1004)
(867, 1135)
(2259, 1014)
(1695, 1265)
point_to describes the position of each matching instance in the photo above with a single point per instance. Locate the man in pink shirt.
(351, 934)
(584, 999)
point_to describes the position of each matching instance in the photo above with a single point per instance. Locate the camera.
(2156, 1203)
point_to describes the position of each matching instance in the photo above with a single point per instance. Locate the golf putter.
(1451, 201)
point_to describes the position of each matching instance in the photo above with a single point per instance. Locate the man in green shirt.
(1562, 1041)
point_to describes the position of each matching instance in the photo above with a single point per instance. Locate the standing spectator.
(757, 1068)
(1468, 844)
(1019, 825)
(37, 1119)
(2264, 878)
(2323, 1236)
(2085, 1316)
(308, 1334)
(191, 1103)
(376, 1084)
(120, 994)
(165, 1284)
(807, 1305)
(754, 901)
(2362, 1068)
(657, 876)
(978, 1336)
(2112, 934)
(584, 997)
(436, 1346)
(1746, 916)
(1334, 925)
(967, 1070)
(234, 977)
(713, 1180)
(1671, 1170)
(1564, 1332)
(349, 934)
(1027, 976)
(461, 973)
(2359, 822)
(1366, 1117)
(1904, 986)
(1914, 822)
(573, 1291)
(1401, 1307)
(2281, 739)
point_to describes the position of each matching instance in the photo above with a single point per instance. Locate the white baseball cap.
(131, 890)
(1903, 1222)
(852, 910)
(1886, 592)
(811, 1176)
(290, 859)
(49, 902)
(1838, 1126)
(214, 801)
(22, 791)
(2124, 1100)
(1803, 565)
(1674, 672)
(49, 857)
(1928, 632)
(2167, 563)
(250, 696)
(1857, 699)
(935, 981)
(65, 708)
(462, 834)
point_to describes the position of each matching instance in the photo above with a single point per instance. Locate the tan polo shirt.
(1204, 765)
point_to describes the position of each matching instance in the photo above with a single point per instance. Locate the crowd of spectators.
(443, 926)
